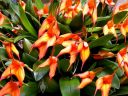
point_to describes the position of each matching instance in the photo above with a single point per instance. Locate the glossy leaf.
(68, 87)
(29, 89)
(3, 54)
(26, 22)
(98, 42)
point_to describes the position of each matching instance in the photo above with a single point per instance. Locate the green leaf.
(29, 89)
(39, 4)
(26, 22)
(51, 85)
(94, 29)
(63, 65)
(98, 42)
(29, 8)
(39, 73)
(3, 54)
(28, 59)
(116, 82)
(99, 19)
(53, 7)
(68, 87)
(64, 28)
(20, 37)
(122, 91)
(27, 45)
(119, 17)
(77, 22)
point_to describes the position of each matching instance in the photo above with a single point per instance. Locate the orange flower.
(109, 2)
(73, 48)
(46, 25)
(11, 88)
(10, 48)
(122, 59)
(52, 63)
(124, 28)
(43, 11)
(48, 33)
(91, 9)
(15, 68)
(86, 77)
(2, 18)
(22, 4)
(69, 8)
(109, 28)
(104, 84)
(103, 54)
(84, 53)
(122, 7)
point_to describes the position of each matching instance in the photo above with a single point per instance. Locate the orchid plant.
(63, 47)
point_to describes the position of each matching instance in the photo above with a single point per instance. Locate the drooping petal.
(84, 54)
(53, 68)
(14, 49)
(105, 89)
(109, 2)
(42, 50)
(46, 63)
(15, 68)
(84, 83)
(11, 88)
(2, 18)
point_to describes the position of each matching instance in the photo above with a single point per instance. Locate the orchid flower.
(108, 2)
(73, 48)
(124, 28)
(122, 59)
(109, 28)
(10, 48)
(103, 54)
(122, 7)
(52, 63)
(48, 33)
(69, 8)
(2, 18)
(22, 4)
(91, 9)
(104, 84)
(86, 77)
(15, 68)
(11, 88)
(41, 12)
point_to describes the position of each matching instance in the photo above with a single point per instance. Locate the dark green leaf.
(98, 42)
(28, 59)
(116, 82)
(19, 38)
(94, 29)
(39, 73)
(29, 89)
(64, 29)
(26, 22)
(51, 85)
(77, 22)
(119, 17)
(3, 54)
(68, 87)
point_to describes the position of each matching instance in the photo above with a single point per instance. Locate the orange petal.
(15, 50)
(65, 50)
(109, 2)
(2, 18)
(53, 68)
(44, 38)
(99, 84)
(46, 63)
(11, 88)
(72, 59)
(15, 68)
(84, 54)
(105, 89)
(126, 69)
(84, 83)
(42, 50)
